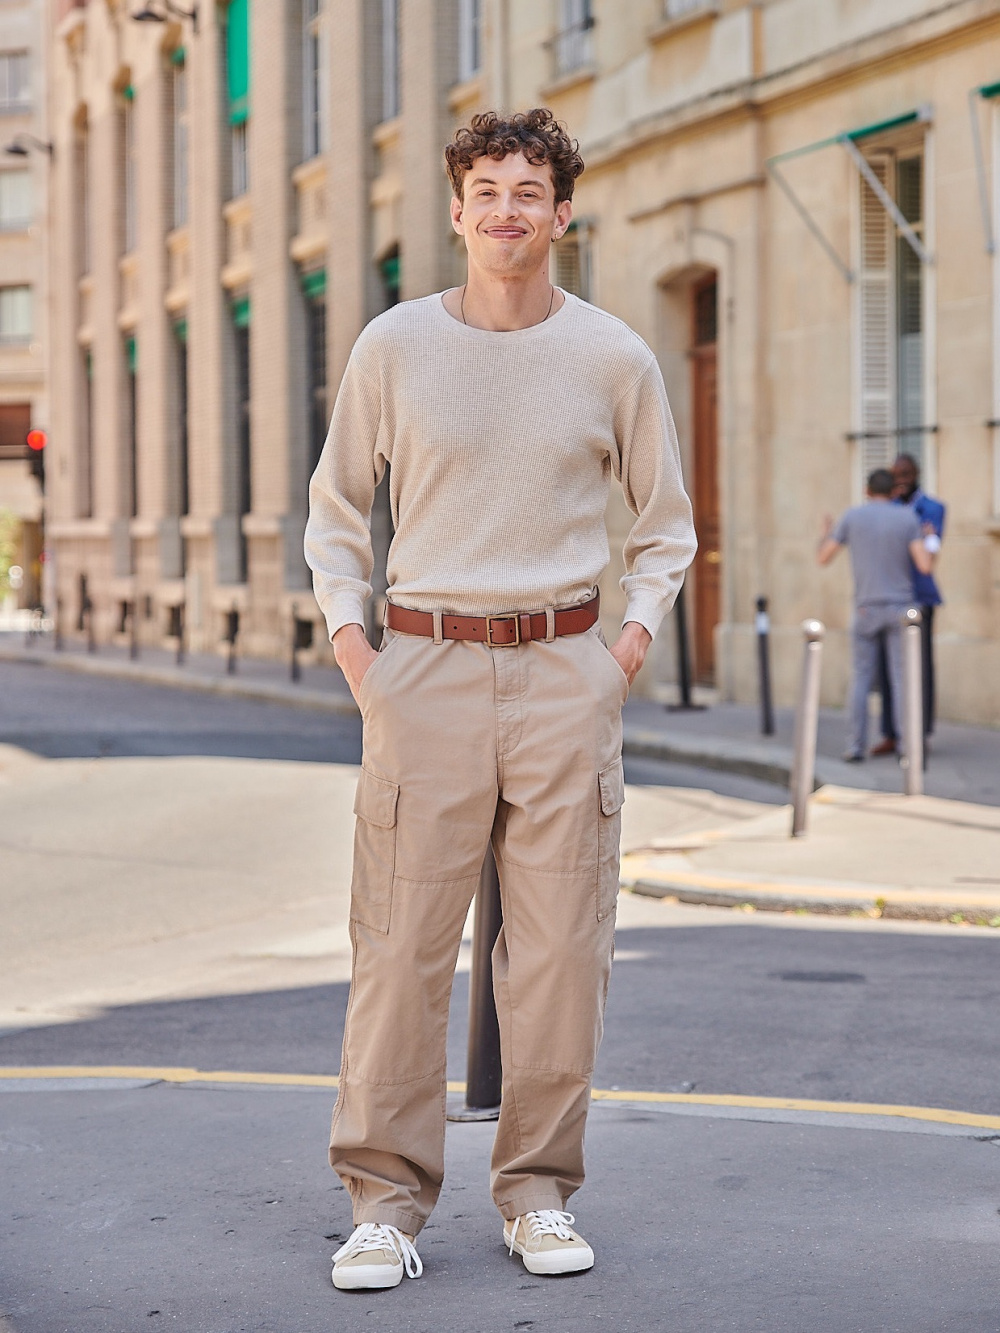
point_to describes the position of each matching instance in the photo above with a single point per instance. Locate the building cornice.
(955, 24)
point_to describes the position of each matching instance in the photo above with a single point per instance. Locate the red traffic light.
(37, 440)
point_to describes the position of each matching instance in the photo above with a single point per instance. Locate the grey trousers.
(876, 628)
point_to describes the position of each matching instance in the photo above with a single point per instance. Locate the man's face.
(508, 215)
(904, 478)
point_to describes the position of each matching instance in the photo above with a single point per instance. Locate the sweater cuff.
(646, 609)
(343, 609)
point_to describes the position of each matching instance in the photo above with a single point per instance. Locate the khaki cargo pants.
(464, 743)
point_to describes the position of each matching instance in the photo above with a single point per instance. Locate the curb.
(855, 900)
(231, 686)
(639, 742)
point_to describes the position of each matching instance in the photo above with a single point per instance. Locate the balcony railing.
(573, 47)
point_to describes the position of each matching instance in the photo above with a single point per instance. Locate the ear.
(564, 214)
(456, 215)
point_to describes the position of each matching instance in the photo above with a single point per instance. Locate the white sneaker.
(375, 1256)
(547, 1243)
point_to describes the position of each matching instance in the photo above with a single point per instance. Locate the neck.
(503, 305)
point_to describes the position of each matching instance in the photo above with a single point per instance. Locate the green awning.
(990, 90)
(181, 330)
(919, 116)
(314, 283)
(238, 60)
(241, 312)
(177, 56)
(131, 355)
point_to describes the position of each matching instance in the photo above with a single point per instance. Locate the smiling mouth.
(506, 233)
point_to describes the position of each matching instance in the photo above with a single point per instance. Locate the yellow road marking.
(936, 1114)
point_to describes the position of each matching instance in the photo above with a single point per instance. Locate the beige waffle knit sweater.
(502, 447)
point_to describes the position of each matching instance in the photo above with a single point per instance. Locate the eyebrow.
(485, 180)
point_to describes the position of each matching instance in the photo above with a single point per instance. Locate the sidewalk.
(964, 761)
(869, 849)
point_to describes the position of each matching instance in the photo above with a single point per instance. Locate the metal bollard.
(133, 630)
(177, 629)
(302, 639)
(232, 630)
(803, 773)
(484, 1075)
(912, 709)
(88, 611)
(57, 636)
(762, 623)
(683, 662)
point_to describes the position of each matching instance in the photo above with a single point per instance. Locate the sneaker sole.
(367, 1277)
(550, 1263)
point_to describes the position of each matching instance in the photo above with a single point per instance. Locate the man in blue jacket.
(926, 596)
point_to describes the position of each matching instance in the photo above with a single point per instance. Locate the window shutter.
(238, 60)
(877, 323)
(573, 262)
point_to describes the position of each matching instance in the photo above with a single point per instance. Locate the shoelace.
(544, 1222)
(379, 1236)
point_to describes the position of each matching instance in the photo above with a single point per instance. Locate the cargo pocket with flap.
(374, 851)
(611, 784)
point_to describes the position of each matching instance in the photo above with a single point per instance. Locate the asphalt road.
(60, 715)
(212, 1210)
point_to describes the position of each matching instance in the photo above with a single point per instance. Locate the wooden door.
(707, 570)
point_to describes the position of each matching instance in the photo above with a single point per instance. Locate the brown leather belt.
(495, 631)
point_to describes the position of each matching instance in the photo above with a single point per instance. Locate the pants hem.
(390, 1217)
(528, 1203)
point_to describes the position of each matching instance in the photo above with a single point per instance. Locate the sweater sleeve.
(662, 542)
(338, 545)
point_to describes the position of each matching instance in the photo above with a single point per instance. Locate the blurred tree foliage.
(10, 526)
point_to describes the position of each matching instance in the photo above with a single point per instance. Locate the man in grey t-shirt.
(883, 538)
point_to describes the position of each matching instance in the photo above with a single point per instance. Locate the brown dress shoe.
(885, 746)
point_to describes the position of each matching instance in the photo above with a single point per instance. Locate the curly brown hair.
(537, 134)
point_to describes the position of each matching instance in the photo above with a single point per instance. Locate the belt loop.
(438, 626)
(550, 624)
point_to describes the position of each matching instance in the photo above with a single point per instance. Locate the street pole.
(912, 704)
(484, 1075)
(762, 623)
(683, 662)
(803, 773)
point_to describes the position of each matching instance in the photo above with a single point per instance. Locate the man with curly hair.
(493, 709)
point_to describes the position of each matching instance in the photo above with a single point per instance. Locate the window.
(128, 169)
(81, 183)
(891, 297)
(676, 9)
(573, 47)
(314, 288)
(85, 502)
(183, 434)
(15, 200)
(241, 332)
(132, 438)
(390, 59)
(572, 261)
(15, 422)
(389, 272)
(15, 316)
(238, 84)
(313, 78)
(179, 114)
(469, 35)
(15, 74)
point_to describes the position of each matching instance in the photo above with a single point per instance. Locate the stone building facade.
(794, 202)
(24, 161)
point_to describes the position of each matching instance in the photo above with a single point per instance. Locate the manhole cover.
(833, 978)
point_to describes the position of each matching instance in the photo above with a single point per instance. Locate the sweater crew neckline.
(545, 326)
